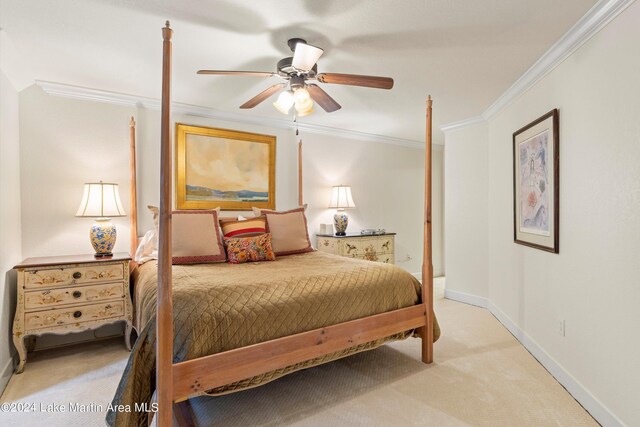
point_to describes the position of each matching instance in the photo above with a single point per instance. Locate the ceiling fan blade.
(237, 73)
(356, 80)
(263, 95)
(305, 56)
(323, 99)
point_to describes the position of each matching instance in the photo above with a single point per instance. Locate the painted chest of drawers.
(67, 294)
(373, 248)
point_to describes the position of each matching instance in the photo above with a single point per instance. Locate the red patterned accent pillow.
(245, 228)
(247, 249)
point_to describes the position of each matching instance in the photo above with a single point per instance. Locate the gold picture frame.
(225, 168)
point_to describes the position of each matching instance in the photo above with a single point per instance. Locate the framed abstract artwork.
(219, 167)
(536, 184)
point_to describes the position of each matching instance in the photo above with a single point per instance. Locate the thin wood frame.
(182, 130)
(427, 262)
(133, 189)
(555, 116)
(164, 315)
(177, 382)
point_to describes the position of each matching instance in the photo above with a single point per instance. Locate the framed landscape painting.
(219, 167)
(536, 186)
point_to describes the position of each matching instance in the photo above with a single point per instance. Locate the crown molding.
(462, 124)
(133, 101)
(603, 12)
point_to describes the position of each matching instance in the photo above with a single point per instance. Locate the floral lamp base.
(340, 221)
(103, 237)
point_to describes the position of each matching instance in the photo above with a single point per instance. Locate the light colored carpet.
(481, 377)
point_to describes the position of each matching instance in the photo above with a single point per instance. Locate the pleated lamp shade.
(100, 200)
(341, 197)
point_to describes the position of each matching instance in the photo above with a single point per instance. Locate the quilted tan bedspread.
(219, 307)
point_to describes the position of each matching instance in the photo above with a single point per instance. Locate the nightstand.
(378, 247)
(59, 295)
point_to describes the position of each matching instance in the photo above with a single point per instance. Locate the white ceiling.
(464, 53)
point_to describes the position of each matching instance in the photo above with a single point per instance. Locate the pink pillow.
(288, 231)
(247, 249)
(195, 237)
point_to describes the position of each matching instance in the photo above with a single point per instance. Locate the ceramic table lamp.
(101, 201)
(341, 199)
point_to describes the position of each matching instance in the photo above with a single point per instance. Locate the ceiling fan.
(297, 71)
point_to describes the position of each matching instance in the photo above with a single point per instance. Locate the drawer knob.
(77, 294)
(77, 275)
(77, 314)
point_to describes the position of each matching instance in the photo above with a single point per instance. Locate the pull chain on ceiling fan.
(297, 70)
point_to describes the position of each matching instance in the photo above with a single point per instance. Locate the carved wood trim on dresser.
(379, 247)
(61, 295)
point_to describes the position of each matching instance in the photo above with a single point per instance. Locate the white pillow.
(148, 247)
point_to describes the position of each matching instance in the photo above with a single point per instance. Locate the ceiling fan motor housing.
(285, 69)
(296, 82)
(294, 41)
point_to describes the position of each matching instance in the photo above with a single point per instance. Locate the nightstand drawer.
(65, 276)
(371, 247)
(385, 245)
(326, 244)
(358, 247)
(75, 295)
(73, 315)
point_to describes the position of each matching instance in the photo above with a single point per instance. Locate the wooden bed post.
(134, 195)
(427, 265)
(164, 321)
(300, 200)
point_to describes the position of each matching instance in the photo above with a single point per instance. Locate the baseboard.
(466, 298)
(588, 401)
(5, 374)
(596, 408)
(438, 282)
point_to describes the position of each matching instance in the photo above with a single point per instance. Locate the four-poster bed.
(177, 380)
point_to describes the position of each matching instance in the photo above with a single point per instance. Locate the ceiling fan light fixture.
(305, 56)
(301, 95)
(304, 105)
(284, 102)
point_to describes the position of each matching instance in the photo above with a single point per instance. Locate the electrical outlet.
(560, 327)
(405, 259)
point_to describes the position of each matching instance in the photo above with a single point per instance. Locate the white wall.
(10, 229)
(66, 142)
(438, 206)
(594, 282)
(388, 189)
(466, 213)
(63, 144)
